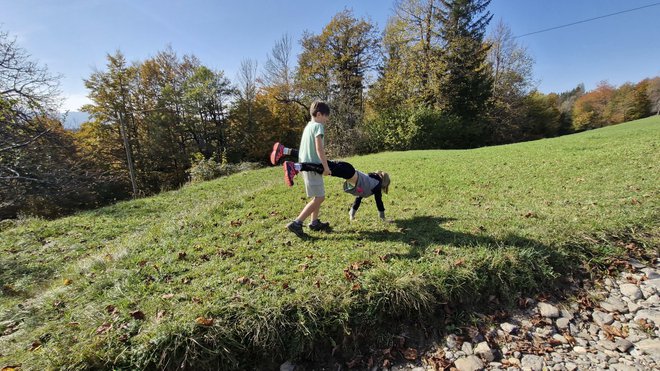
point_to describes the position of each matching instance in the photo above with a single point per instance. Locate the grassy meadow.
(206, 276)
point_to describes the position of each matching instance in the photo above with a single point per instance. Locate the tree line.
(431, 78)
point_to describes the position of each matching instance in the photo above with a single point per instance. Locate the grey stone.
(633, 307)
(418, 369)
(631, 291)
(635, 336)
(467, 348)
(614, 305)
(562, 323)
(560, 338)
(517, 354)
(469, 363)
(652, 300)
(509, 328)
(649, 314)
(636, 263)
(650, 273)
(548, 310)
(655, 283)
(622, 367)
(287, 366)
(649, 346)
(514, 362)
(570, 366)
(451, 341)
(483, 350)
(623, 345)
(602, 318)
(544, 332)
(607, 344)
(533, 362)
(579, 349)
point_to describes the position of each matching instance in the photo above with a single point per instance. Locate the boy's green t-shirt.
(307, 150)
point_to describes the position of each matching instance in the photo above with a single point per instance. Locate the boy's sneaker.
(296, 228)
(276, 155)
(320, 226)
(289, 173)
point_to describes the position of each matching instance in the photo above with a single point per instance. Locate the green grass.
(466, 225)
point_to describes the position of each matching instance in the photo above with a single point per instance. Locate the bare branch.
(24, 143)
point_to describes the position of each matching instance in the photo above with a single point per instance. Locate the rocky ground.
(613, 325)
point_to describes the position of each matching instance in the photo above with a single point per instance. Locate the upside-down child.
(357, 183)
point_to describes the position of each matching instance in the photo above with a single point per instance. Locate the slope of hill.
(207, 276)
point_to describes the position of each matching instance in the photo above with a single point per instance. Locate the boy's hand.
(326, 171)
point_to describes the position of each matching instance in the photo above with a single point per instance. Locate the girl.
(356, 182)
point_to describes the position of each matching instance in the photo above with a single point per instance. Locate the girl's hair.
(385, 180)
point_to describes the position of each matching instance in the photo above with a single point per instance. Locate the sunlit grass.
(129, 285)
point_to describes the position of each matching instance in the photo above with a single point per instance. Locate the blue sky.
(72, 37)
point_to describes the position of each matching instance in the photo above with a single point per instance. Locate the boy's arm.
(320, 150)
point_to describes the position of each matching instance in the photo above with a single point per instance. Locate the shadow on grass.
(423, 232)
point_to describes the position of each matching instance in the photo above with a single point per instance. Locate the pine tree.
(465, 82)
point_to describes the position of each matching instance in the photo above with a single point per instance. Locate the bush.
(421, 128)
(204, 169)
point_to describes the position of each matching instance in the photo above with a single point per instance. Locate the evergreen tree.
(465, 81)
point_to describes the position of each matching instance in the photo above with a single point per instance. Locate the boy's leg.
(312, 208)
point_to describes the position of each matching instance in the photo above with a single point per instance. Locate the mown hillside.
(207, 276)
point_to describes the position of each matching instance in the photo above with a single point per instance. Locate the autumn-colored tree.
(653, 93)
(334, 66)
(165, 110)
(590, 110)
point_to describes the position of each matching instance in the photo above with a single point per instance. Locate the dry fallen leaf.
(35, 345)
(410, 354)
(167, 296)
(67, 282)
(349, 275)
(111, 309)
(611, 332)
(204, 321)
(137, 314)
(103, 328)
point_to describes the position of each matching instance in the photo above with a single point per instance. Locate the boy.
(312, 149)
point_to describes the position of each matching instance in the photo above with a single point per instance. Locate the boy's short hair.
(319, 106)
